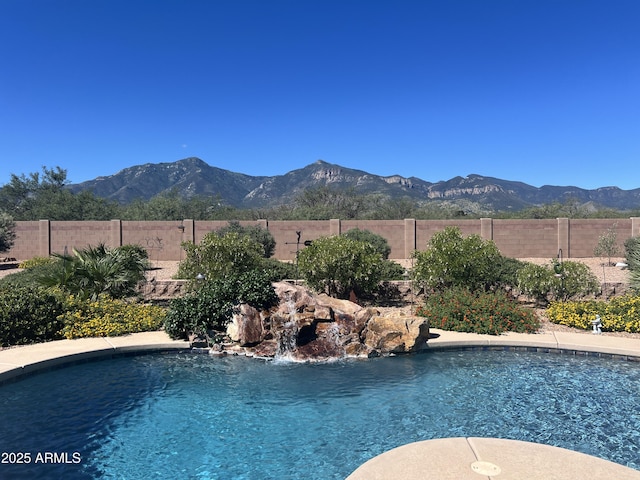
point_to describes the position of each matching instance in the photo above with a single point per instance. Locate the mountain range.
(192, 176)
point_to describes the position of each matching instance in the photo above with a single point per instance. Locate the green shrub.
(632, 252)
(576, 281)
(36, 262)
(452, 260)
(133, 258)
(507, 271)
(461, 310)
(255, 232)
(95, 271)
(378, 242)
(632, 249)
(634, 276)
(220, 255)
(278, 270)
(339, 265)
(210, 306)
(28, 314)
(619, 314)
(390, 270)
(569, 280)
(107, 317)
(536, 281)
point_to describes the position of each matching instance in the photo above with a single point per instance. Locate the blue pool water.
(192, 416)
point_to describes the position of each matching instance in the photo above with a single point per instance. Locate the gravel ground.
(162, 270)
(599, 267)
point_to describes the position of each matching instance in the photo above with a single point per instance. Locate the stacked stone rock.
(324, 327)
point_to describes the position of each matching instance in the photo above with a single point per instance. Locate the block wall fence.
(515, 238)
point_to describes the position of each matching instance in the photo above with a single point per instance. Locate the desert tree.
(7, 231)
(608, 244)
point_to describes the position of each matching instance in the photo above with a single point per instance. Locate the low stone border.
(571, 343)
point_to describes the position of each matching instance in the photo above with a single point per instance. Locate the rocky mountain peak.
(193, 176)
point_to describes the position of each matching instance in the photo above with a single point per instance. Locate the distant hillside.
(193, 176)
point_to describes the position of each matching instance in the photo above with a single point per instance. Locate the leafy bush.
(452, 260)
(278, 270)
(507, 271)
(210, 306)
(133, 258)
(619, 314)
(107, 317)
(569, 280)
(536, 281)
(95, 271)
(390, 270)
(28, 315)
(461, 310)
(378, 242)
(576, 281)
(339, 265)
(36, 262)
(219, 255)
(255, 232)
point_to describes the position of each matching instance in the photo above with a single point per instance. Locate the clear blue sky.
(538, 91)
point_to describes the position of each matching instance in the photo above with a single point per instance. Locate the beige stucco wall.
(515, 238)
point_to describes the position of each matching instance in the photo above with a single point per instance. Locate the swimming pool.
(194, 416)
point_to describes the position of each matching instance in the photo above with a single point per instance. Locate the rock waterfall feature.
(308, 327)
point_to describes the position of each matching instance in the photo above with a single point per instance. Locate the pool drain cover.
(485, 468)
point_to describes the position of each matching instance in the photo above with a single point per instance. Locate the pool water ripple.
(193, 416)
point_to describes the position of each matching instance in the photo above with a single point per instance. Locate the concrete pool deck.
(447, 458)
(24, 360)
(488, 458)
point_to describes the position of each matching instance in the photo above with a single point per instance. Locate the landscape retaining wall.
(576, 238)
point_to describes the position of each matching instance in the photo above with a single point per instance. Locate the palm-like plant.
(95, 271)
(633, 259)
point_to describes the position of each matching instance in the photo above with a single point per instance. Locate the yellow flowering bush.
(106, 317)
(620, 314)
(35, 262)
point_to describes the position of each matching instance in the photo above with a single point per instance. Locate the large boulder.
(293, 298)
(335, 307)
(246, 326)
(398, 334)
